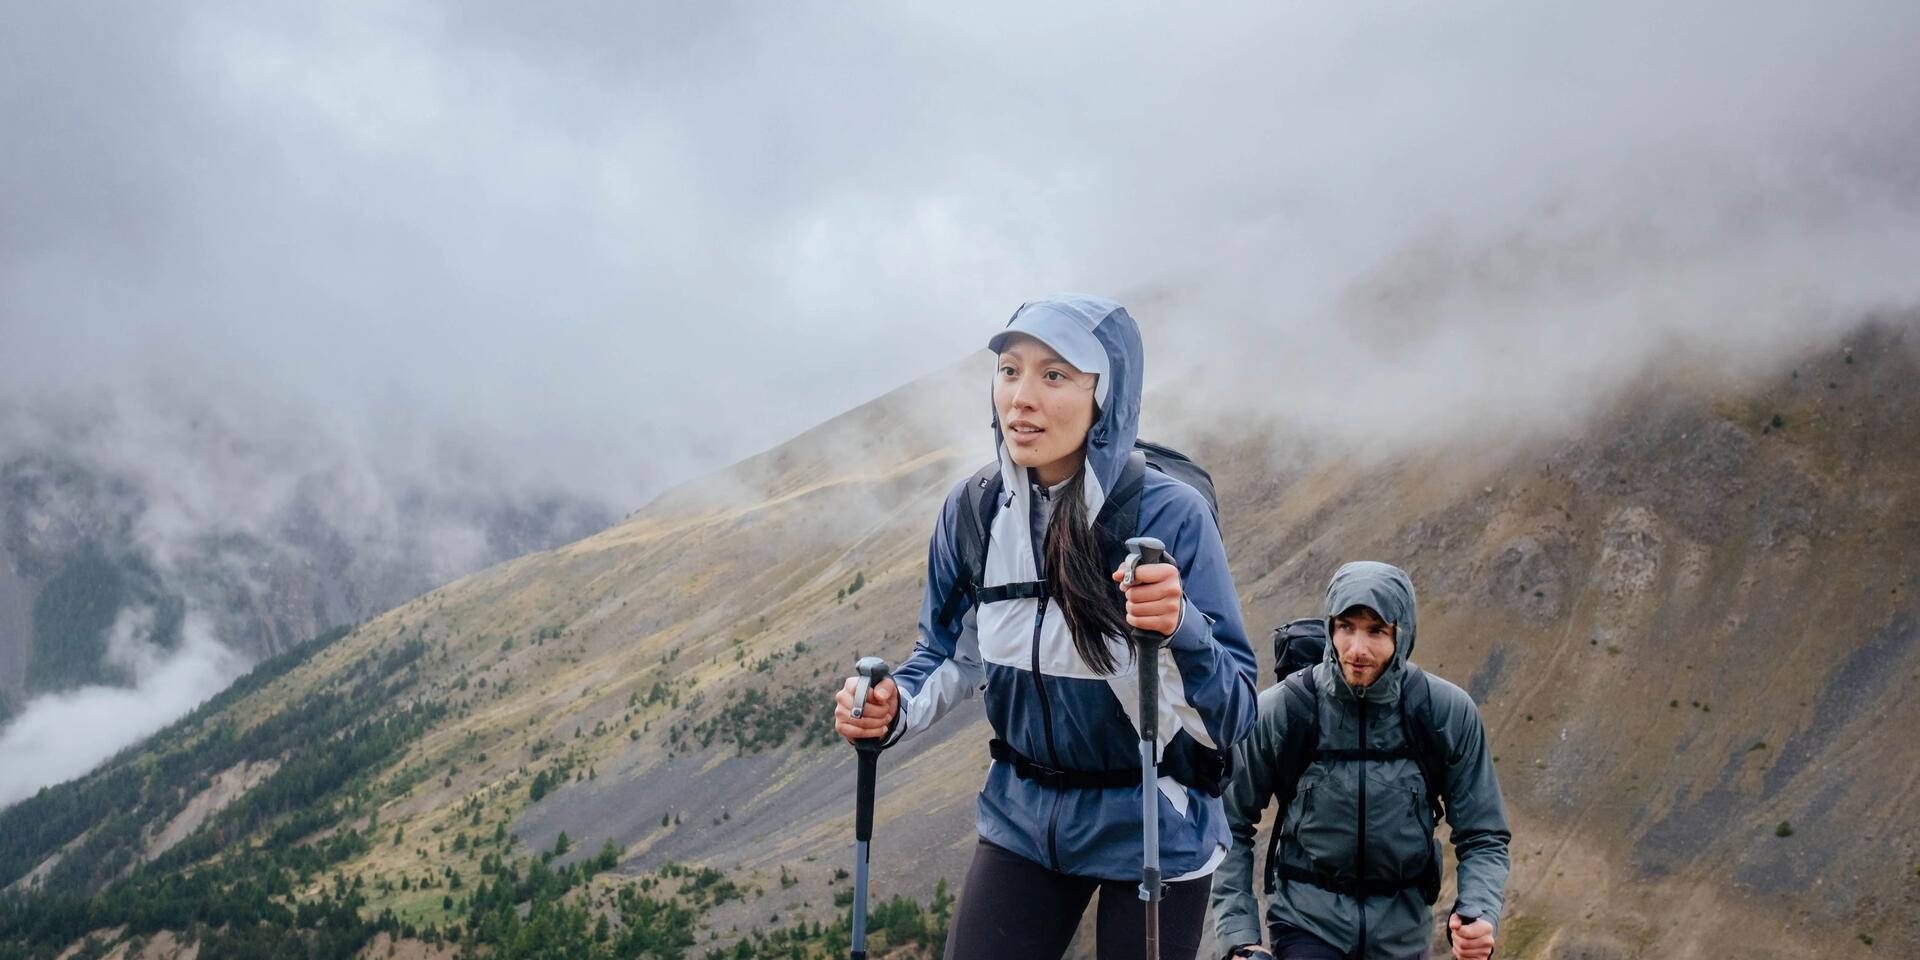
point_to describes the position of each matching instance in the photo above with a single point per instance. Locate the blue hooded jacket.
(1041, 697)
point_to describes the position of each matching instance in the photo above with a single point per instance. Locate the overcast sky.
(617, 243)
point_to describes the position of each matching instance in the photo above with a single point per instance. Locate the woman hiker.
(1042, 629)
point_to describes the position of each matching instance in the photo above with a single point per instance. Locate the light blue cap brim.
(1067, 335)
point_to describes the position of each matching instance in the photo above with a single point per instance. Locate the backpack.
(1298, 645)
(1184, 759)
(1293, 644)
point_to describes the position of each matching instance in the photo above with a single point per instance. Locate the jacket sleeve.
(945, 667)
(1475, 811)
(1213, 665)
(1236, 908)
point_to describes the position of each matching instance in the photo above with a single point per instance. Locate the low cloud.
(619, 247)
(61, 736)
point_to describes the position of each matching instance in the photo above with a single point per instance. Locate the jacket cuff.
(1492, 917)
(1237, 936)
(1195, 631)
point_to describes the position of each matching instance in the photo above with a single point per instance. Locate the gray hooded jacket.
(1322, 828)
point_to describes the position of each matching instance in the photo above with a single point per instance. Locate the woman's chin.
(1026, 457)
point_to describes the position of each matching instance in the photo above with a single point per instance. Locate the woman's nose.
(1022, 395)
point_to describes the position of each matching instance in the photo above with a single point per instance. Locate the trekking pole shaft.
(859, 951)
(1147, 669)
(1149, 781)
(868, 756)
(1150, 798)
(871, 671)
(1153, 932)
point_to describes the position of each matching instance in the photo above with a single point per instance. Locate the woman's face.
(1045, 406)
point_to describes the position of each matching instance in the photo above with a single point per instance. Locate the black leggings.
(1292, 943)
(1013, 907)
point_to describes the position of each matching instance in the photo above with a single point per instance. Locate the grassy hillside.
(1688, 628)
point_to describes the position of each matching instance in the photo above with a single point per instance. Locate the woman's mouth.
(1023, 433)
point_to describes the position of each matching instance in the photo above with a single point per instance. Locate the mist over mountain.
(630, 247)
(151, 552)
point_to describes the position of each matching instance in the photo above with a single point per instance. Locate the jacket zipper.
(1053, 754)
(1360, 867)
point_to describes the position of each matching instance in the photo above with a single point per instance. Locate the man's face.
(1364, 643)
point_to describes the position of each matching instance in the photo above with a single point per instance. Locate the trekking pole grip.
(870, 670)
(1144, 550)
(868, 755)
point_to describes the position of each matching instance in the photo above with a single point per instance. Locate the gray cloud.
(621, 244)
(63, 735)
(636, 242)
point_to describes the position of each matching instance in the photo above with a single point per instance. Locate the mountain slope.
(1689, 629)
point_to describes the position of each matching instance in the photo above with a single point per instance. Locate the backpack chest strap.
(1370, 754)
(1030, 590)
(1363, 890)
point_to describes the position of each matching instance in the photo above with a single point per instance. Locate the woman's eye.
(1007, 372)
(1055, 375)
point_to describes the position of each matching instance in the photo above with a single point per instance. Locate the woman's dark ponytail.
(1078, 581)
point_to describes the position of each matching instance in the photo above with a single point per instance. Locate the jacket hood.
(1388, 591)
(1111, 437)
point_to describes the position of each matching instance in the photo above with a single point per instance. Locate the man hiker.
(1362, 750)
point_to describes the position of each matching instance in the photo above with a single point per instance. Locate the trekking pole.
(872, 670)
(1147, 643)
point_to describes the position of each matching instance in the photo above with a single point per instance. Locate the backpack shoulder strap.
(1119, 518)
(1181, 467)
(1421, 728)
(1300, 698)
(978, 503)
